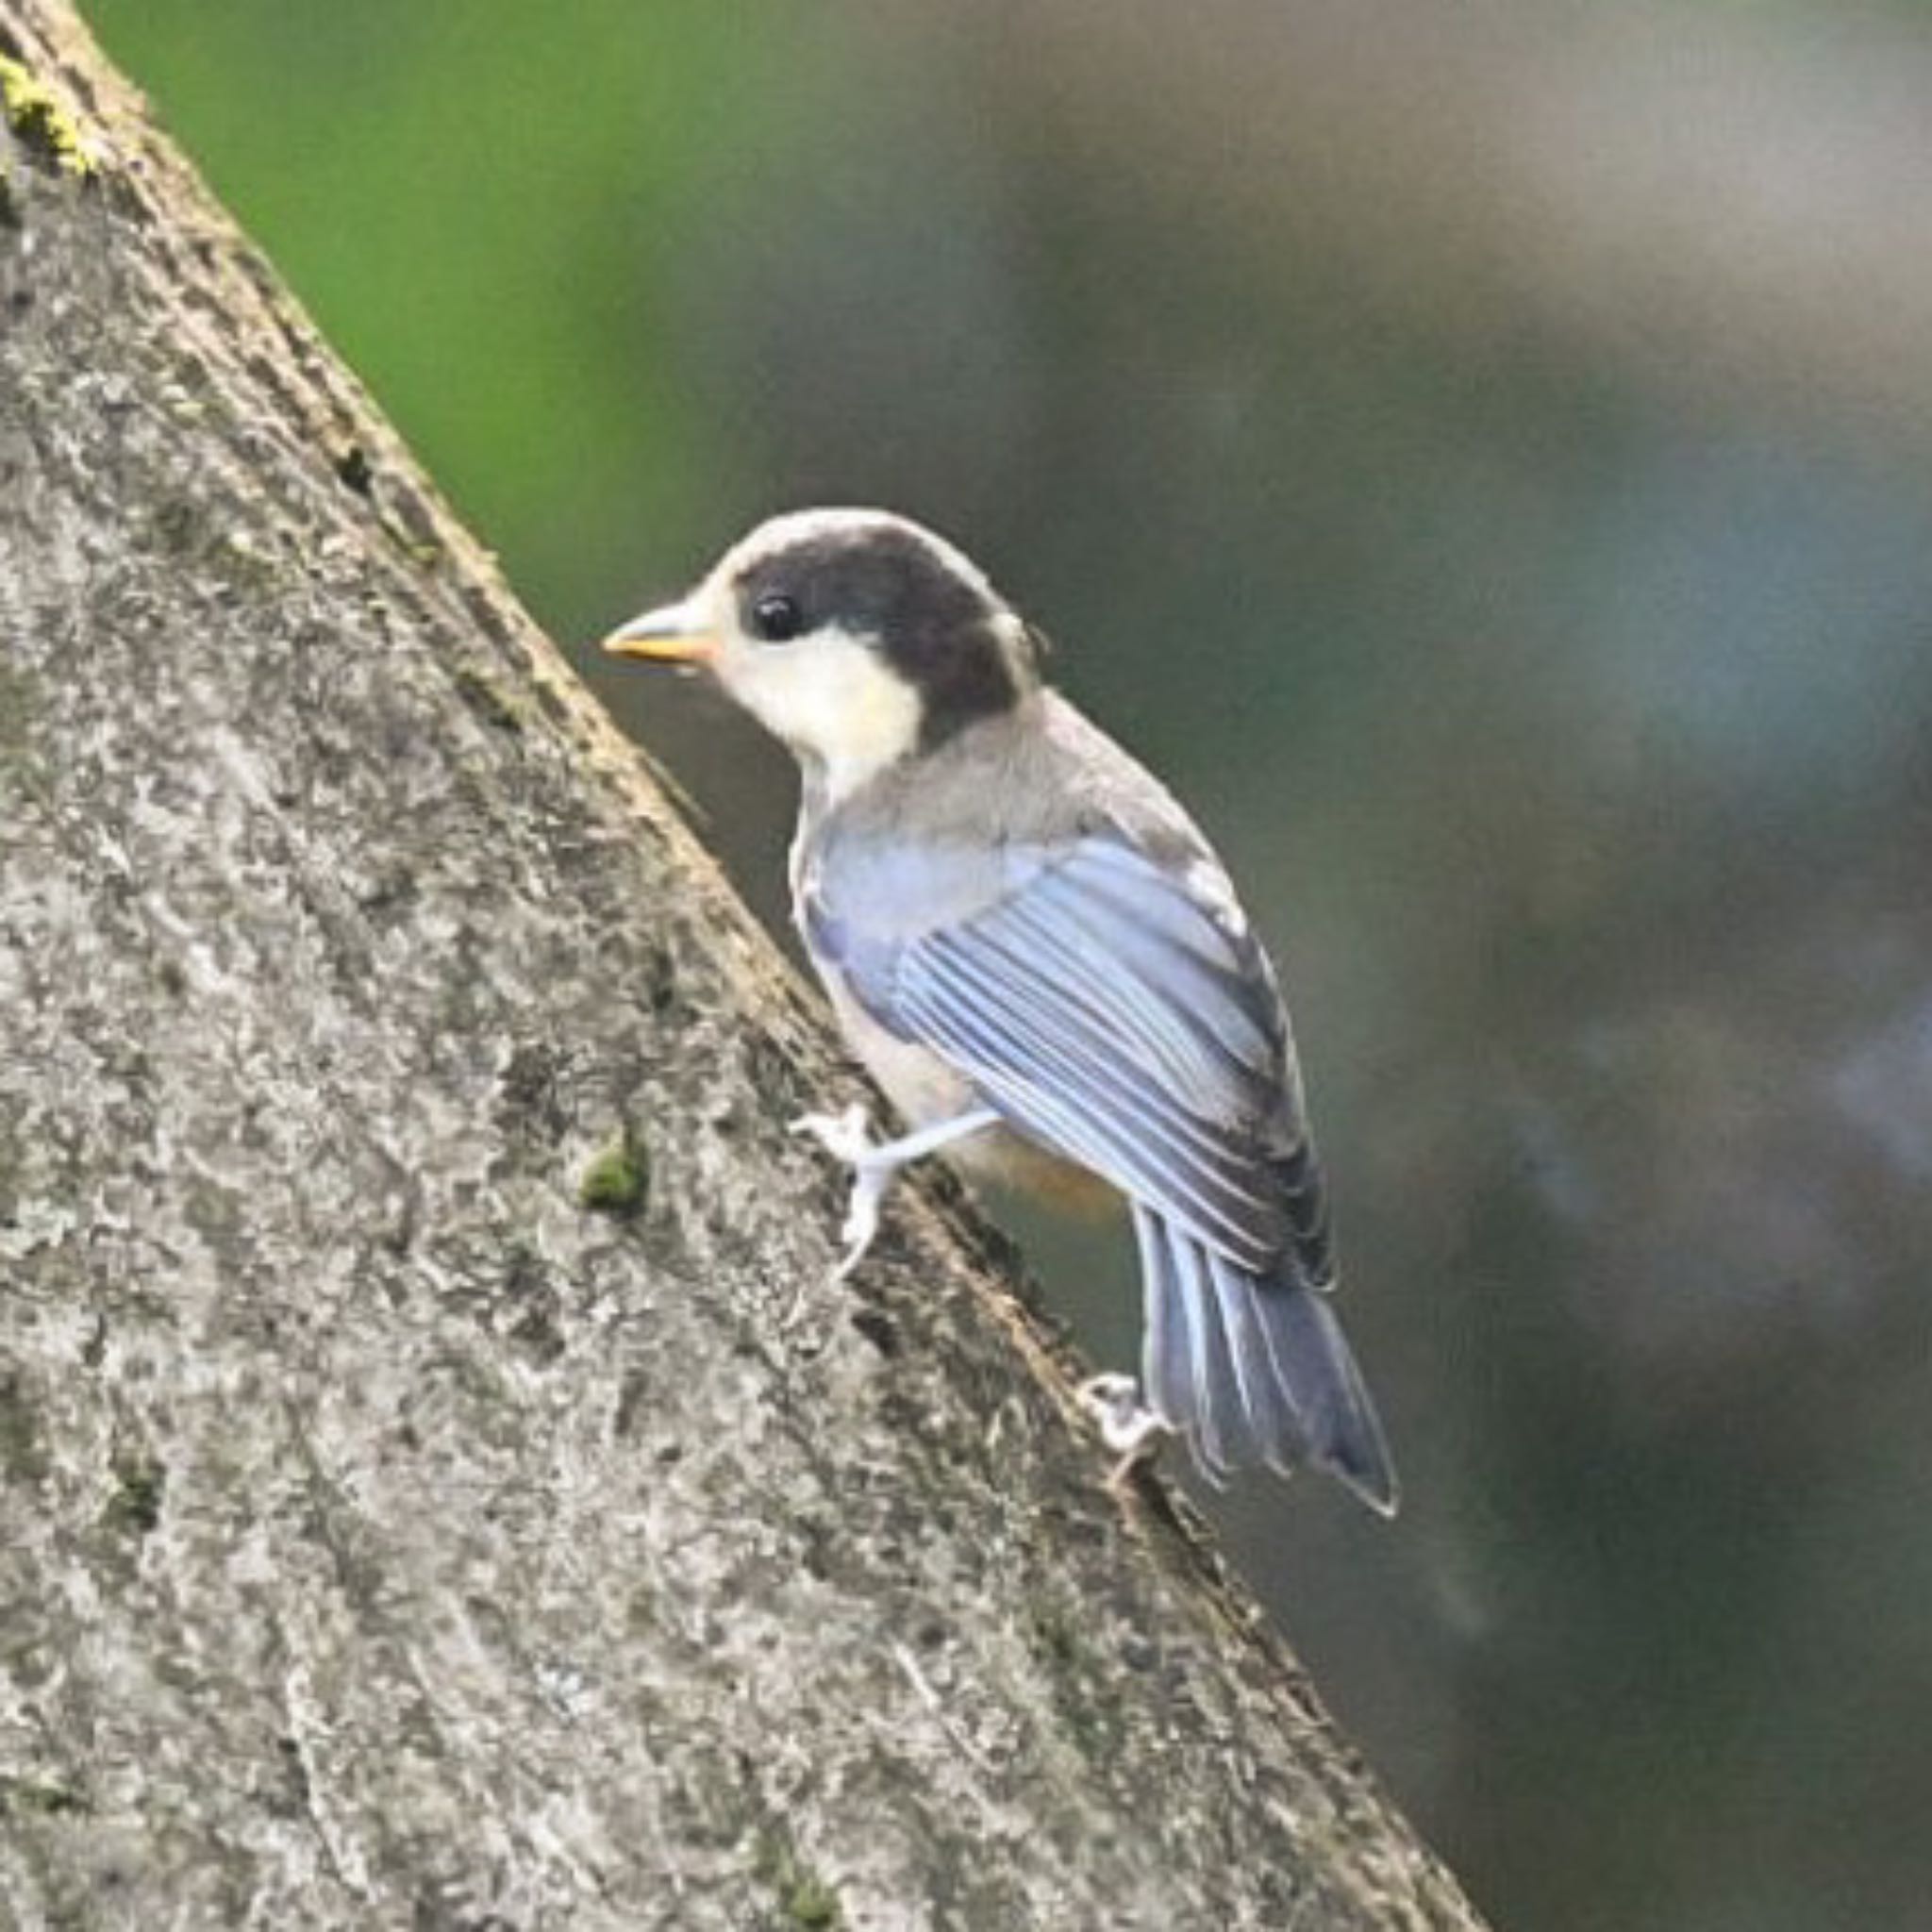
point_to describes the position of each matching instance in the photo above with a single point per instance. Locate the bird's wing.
(1118, 1011)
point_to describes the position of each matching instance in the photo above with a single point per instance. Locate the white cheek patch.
(830, 698)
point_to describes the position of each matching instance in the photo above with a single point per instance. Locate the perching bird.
(1041, 961)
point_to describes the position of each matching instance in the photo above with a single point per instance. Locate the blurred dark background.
(1483, 456)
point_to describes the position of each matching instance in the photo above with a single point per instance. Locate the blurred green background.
(1483, 456)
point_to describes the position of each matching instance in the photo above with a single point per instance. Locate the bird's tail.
(1254, 1368)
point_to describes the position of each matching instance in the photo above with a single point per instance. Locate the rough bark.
(386, 1537)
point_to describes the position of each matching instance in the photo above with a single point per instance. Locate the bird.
(1037, 955)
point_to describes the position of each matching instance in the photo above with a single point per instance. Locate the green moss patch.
(803, 1897)
(618, 1180)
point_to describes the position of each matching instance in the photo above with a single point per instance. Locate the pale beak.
(679, 633)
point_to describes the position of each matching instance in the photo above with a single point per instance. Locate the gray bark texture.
(390, 1536)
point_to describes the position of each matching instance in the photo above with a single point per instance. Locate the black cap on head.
(930, 615)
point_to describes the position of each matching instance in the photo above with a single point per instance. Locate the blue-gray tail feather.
(1254, 1369)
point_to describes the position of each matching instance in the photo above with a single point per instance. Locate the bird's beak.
(679, 633)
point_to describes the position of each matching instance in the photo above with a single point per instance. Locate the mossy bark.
(387, 1536)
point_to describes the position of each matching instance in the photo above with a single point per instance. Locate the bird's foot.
(847, 1137)
(1127, 1425)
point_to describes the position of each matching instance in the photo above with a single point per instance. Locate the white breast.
(917, 1081)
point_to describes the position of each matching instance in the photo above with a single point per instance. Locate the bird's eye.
(777, 618)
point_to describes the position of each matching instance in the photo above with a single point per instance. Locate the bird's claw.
(1127, 1425)
(847, 1137)
(861, 1223)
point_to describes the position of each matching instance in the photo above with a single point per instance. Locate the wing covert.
(1120, 1013)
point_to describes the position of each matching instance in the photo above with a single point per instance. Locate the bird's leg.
(847, 1136)
(1127, 1425)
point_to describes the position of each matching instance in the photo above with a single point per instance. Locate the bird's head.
(856, 637)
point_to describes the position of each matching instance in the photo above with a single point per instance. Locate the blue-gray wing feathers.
(1108, 1015)
(1115, 1009)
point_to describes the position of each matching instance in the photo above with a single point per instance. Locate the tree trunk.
(437, 1487)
